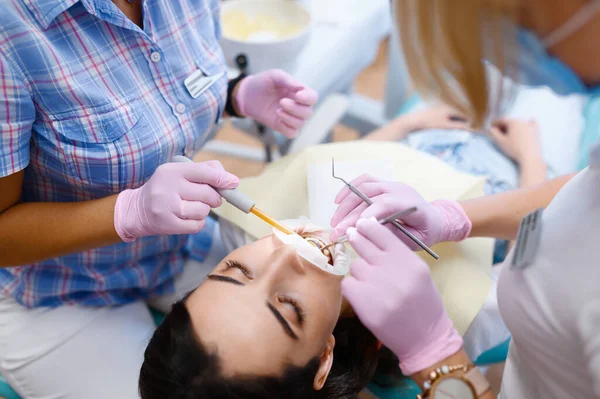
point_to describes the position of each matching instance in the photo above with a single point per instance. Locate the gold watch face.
(453, 388)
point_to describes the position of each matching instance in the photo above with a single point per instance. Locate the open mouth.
(320, 243)
(330, 258)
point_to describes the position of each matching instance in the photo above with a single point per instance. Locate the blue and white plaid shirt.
(90, 105)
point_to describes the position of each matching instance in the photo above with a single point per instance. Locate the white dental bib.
(310, 253)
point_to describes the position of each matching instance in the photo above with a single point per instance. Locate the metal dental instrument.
(385, 220)
(396, 223)
(242, 202)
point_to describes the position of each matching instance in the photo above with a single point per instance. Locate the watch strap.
(229, 108)
(471, 374)
(478, 381)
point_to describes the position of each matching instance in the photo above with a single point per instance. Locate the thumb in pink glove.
(277, 100)
(391, 291)
(435, 222)
(176, 200)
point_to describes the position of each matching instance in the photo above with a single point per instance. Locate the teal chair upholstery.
(6, 391)
(494, 355)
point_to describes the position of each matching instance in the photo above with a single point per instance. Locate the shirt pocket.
(108, 152)
(208, 57)
(217, 93)
(209, 107)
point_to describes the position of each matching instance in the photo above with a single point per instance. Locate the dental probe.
(242, 202)
(385, 220)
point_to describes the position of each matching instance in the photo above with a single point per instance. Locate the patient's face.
(264, 308)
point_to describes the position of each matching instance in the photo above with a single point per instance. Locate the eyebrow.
(284, 324)
(224, 279)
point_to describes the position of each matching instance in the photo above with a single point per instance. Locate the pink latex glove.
(392, 293)
(434, 222)
(277, 100)
(176, 200)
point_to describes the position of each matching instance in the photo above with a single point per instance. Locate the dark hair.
(177, 366)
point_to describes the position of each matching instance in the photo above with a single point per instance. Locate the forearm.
(31, 232)
(499, 215)
(396, 130)
(532, 172)
(459, 358)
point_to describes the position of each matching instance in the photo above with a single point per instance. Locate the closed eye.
(294, 304)
(232, 264)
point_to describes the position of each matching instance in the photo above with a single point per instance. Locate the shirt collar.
(46, 11)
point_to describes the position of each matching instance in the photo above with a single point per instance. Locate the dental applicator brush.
(242, 202)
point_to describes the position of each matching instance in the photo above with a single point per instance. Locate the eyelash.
(231, 264)
(299, 312)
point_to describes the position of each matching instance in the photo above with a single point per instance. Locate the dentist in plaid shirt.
(94, 222)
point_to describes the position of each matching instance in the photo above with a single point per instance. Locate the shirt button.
(155, 56)
(180, 108)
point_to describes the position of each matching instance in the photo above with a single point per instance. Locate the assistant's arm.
(31, 232)
(499, 215)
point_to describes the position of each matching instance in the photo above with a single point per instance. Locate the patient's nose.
(285, 261)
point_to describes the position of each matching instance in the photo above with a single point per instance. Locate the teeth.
(315, 242)
(321, 246)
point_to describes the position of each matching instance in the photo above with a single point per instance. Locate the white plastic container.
(271, 33)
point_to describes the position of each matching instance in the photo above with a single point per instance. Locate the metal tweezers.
(395, 222)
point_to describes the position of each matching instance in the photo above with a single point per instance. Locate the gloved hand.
(277, 100)
(392, 293)
(435, 222)
(176, 200)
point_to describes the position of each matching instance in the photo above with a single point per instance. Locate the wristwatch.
(455, 382)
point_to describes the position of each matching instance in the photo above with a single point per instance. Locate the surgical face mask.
(339, 261)
(538, 68)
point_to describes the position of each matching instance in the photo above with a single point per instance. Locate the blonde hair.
(445, 42)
